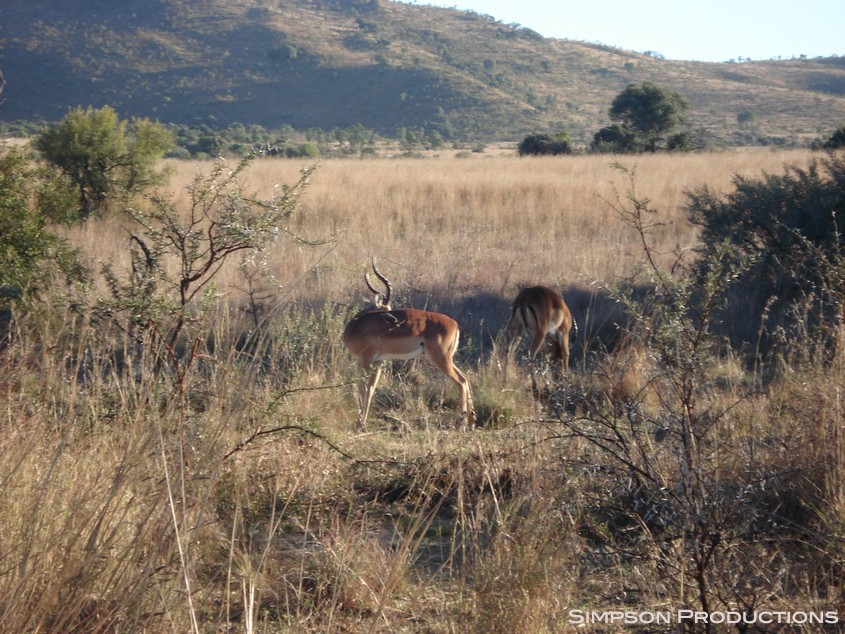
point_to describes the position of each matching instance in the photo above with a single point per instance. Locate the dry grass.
(487, 223)
(238, 498)
(462, 235)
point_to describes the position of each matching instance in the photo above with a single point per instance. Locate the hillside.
(383, 64)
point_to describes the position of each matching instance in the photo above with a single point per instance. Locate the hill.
(383, 64)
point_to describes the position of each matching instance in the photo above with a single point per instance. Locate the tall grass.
(240, 499)
(486, 224)
(462, 235)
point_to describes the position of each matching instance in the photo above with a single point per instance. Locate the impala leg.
(564, 350)
(467, 405)
(535, 357)
(447, 367)
(367, 390)
(515, 333)
(560, 352)
(536, 346)
(513, 342)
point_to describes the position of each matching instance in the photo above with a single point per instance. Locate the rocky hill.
(383, 64)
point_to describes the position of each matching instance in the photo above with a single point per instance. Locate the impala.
(382, 332)
(542, 312)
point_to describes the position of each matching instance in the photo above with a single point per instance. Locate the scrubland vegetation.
(179, 454)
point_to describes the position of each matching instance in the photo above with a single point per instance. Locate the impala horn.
(382, 300)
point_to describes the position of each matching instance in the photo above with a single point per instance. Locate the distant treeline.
(240, 139)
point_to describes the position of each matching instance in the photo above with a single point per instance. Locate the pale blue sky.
(711, 30)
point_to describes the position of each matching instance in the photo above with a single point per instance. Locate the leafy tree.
(107, 159)
(29, 252)
(746, 118)
(614, 139)
(544, 144)
(645, 114)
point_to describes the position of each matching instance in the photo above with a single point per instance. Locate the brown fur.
(542, 312)
(405, 333)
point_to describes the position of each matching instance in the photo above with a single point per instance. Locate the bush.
(177, 253)
(544, 144)
(615, 139)
(790, 230)
(836, 140)
(687, 484)
(106, 158)
(29, 253)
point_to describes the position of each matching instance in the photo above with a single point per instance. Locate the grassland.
(232, 493)
(485, 225)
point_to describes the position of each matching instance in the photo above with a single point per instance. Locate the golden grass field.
(234, 493)
(488, 224)
(457, 227)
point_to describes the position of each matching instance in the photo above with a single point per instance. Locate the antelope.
(382, 332)
(543, 312)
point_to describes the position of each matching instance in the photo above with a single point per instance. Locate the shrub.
(30, 200)
(615, 139)
(104, 157)
(177, 253)
(688, 485)
(836, 140)
(544, 144)
(789, 228)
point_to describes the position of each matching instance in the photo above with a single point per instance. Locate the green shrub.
(106, 159)
(544, 144)
(789, 228)
(30, 254)
(836, 140)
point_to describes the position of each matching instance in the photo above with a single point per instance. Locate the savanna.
(198, 468)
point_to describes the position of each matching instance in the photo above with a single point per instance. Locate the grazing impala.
(404, 333)
(543, 312)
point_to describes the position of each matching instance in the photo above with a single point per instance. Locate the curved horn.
(384, 280)
(385, 298)
(369, 285)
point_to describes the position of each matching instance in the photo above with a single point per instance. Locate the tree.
(746, 118)
(836, 140)
(29, 252)
(107, 159)
(544, 144)
(645, 114)
(614, 139)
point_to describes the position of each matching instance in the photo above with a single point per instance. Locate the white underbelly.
(400, 356)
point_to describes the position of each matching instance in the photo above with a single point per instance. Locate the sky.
(703, 30)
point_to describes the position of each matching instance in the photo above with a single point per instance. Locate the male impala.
(541, 311)
(404, 333)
